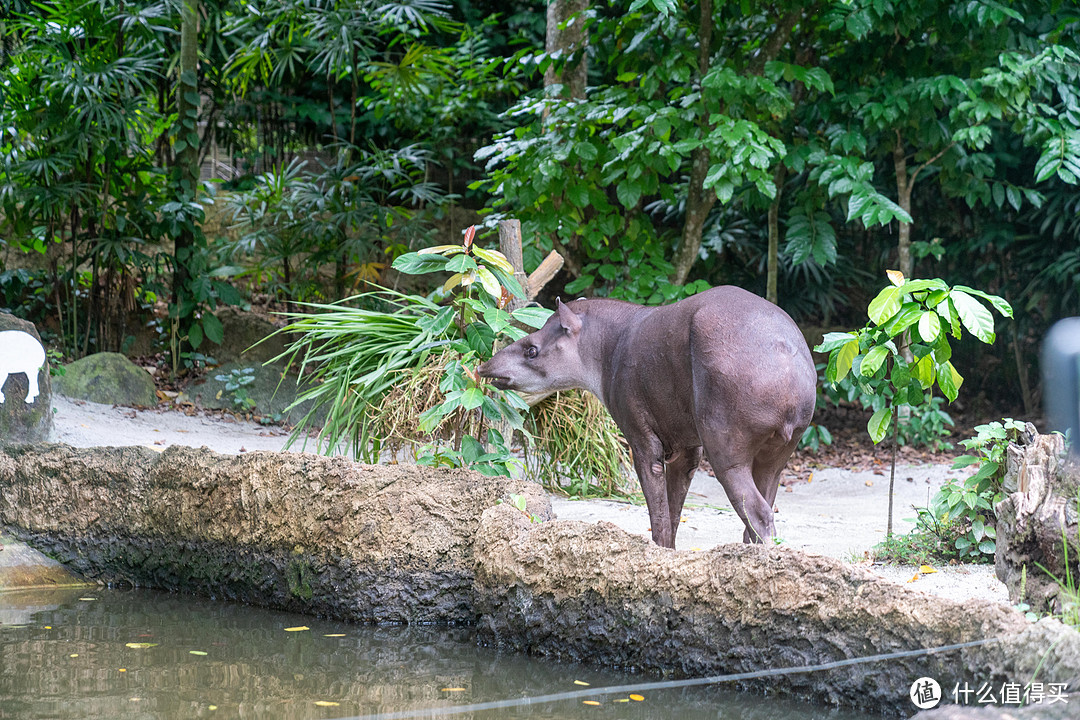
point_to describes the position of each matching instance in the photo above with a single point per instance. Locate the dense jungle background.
(161, 160)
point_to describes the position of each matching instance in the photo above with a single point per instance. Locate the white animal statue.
(20, 352)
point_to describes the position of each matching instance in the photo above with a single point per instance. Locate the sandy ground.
(839, 513)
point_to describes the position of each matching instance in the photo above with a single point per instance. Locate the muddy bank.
(284, 530)
(592, 592)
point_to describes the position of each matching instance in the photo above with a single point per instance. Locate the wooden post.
(510, 246)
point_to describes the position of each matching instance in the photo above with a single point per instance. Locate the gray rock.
(271, 391)
(22, 422)
(107, 378)
(249, 338)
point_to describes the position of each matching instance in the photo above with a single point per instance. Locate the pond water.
(140, 654)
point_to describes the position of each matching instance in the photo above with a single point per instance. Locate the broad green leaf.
(213, 329)
(489, 283)
(949, 380)
(901, 373)
(472, 398)
(418, 264)
(534, 317)
(964, 461)
(494, 258)
(460, 264)
(925, 371)
(879, 424)
(873, 360)
(998, 303)
(445, 250)
(885, 305)
(844, 357)
(909, 314)
(929, 326)
(914, 286)
(975, 317)
(833, 340)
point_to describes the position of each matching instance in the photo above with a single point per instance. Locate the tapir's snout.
(497, 376)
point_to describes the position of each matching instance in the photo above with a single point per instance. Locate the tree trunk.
(903, 197)
(773, 270)
(186, 170)
(699, 201)
(1038, 534)
(567, 38)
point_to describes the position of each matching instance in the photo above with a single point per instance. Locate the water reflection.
(146, 655)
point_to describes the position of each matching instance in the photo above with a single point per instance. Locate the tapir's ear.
(570, 322)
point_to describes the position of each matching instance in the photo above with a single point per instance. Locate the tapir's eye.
(531, 352)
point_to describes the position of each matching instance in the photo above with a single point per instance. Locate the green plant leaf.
(844, 358)
(833, 340)
(975, 317)
(998, 303)
(929, 326)
(417, 264)
(879, 424)
(873, 360)
(925, 371)
(949, 380)
(213, 329)
(885, 305)
(965, 461)
(534, 317)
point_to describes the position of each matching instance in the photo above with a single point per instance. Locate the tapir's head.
(544, 362)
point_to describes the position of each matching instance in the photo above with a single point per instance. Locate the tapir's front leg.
(649, 462)
(679, 468)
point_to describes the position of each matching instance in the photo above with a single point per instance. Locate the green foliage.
(928, 311)
(924, 545)
(236, 382)
(359, 358)
(958, 523)
(814, 437)
(577, 449)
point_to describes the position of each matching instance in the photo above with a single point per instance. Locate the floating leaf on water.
(48, 627)
(637, 698)
(623, 700)
(581, 682)
(140, 646)
(211, 707)
(589, 702)
(334, 635)
(122, 670)
(88, 599)
(926, 569)
(454, 689)
(74, 655)
(196, 652)
(326, 703)
(298, 628)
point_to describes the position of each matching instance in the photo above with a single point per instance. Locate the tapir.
(724, 370)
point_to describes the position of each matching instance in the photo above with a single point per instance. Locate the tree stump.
(1038, 537)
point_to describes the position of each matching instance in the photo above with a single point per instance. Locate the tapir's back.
(726, 356)
(750, 361)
